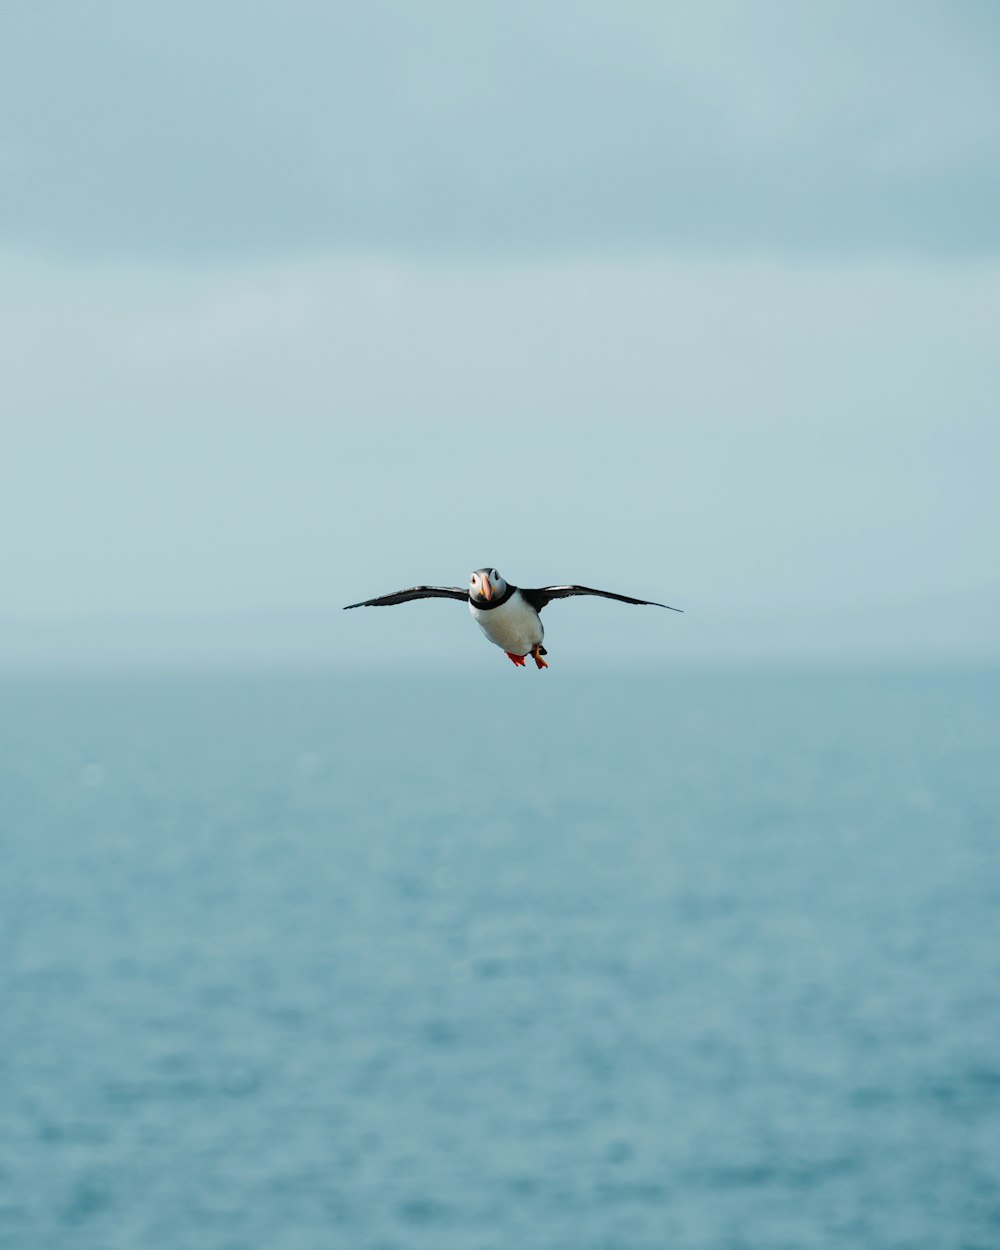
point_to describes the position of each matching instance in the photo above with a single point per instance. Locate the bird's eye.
(494, 575)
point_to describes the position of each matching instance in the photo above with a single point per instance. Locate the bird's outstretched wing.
(545, 594)
(415, 592)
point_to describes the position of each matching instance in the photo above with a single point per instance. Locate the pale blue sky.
(307, 302)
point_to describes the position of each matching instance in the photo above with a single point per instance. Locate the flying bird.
(507, 615)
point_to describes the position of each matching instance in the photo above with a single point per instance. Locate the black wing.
(545, 594)
(415, 592)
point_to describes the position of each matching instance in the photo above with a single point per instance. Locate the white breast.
(515, 625)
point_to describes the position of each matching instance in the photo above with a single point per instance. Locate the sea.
(501, 960)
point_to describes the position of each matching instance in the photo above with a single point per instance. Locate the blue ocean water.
(559, 960)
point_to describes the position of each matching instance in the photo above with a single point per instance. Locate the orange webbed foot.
(536, 655)
(518, 660)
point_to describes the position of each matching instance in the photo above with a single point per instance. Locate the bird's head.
(486, 585)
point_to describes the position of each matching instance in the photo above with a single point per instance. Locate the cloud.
(194, 131)
(759, 441)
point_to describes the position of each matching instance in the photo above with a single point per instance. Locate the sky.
(305, 303)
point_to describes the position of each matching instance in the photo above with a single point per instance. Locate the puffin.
(508, 615)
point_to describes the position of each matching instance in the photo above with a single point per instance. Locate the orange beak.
(487, 589)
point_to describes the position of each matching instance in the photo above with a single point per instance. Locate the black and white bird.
(507, 615)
